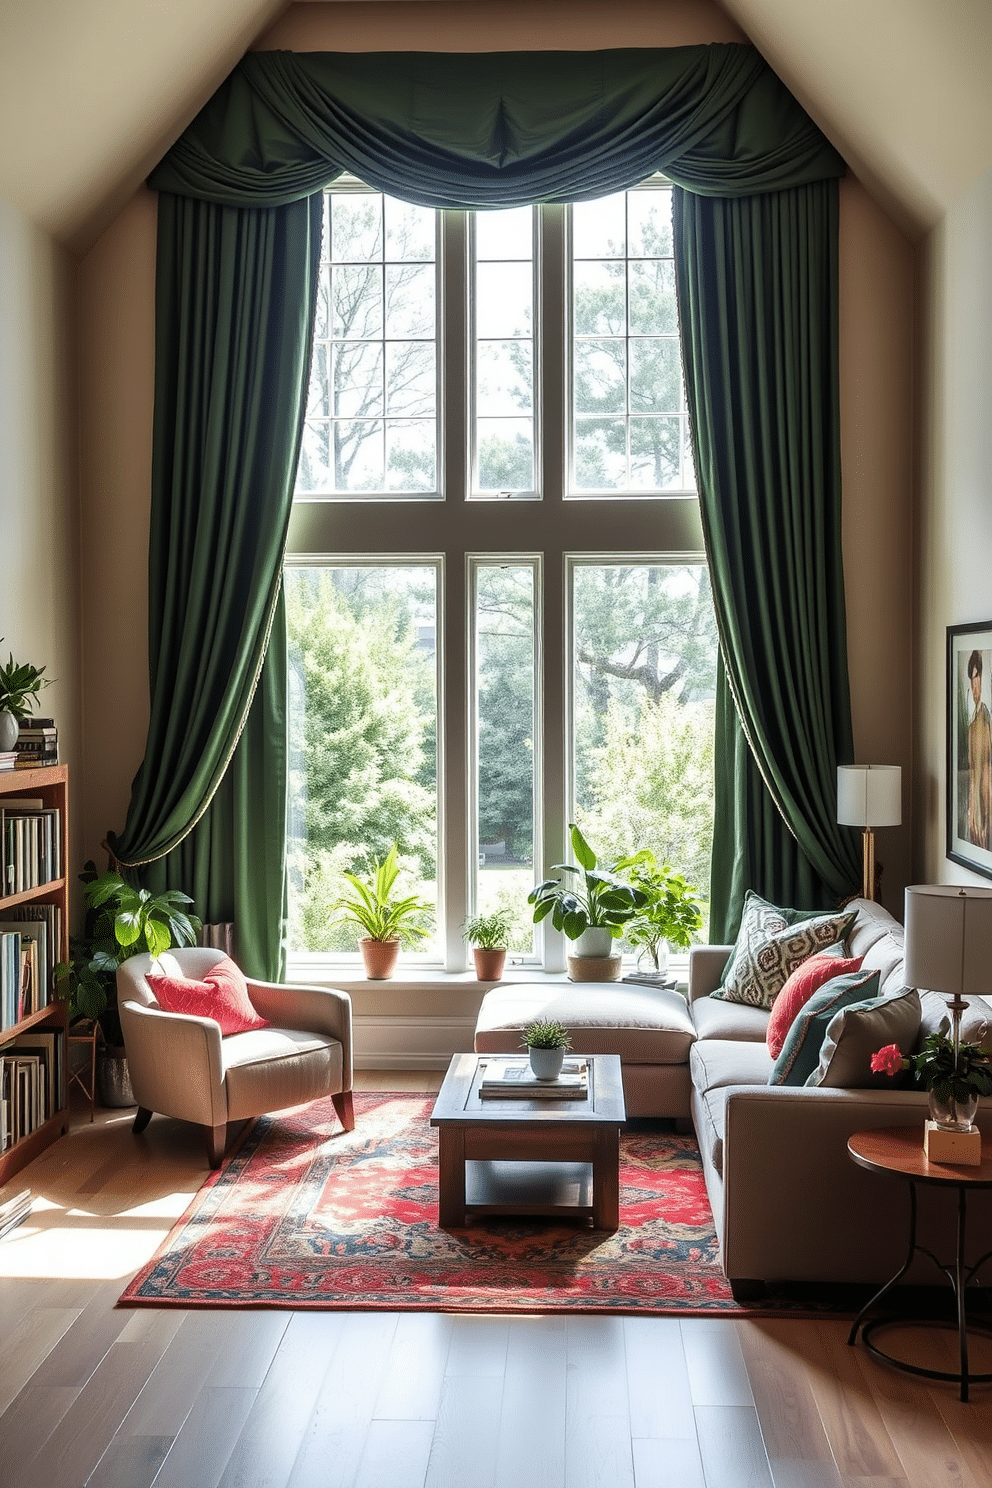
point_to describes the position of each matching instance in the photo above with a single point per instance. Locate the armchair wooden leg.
(216, 1143)
(345, 1106)
(141, 1120)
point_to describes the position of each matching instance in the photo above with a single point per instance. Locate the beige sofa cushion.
(714, 1065)
(644, 1025)
(714, 1019)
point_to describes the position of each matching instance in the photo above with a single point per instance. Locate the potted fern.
(489, 937)
(388, 919)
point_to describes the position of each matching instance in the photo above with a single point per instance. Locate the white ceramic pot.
(547, 1063)
(595, 941)
(9, 729)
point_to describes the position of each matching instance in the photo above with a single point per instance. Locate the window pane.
(375, 358)
(504, 352)
(504, 682)
(625, 354)
(643, 686)
(362, 733)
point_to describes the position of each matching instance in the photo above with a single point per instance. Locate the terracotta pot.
(489, 963)
(380, 958)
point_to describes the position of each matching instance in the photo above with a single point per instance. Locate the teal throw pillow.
(800, 1054)
(770, 947)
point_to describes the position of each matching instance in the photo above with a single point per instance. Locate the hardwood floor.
(134, 1397)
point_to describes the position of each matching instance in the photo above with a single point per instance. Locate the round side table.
(899, 1150)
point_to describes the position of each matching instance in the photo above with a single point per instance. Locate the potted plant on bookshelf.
(546, 1042)
(671, 916)
(489, 937)
(121, 921)
(20, 683)
(389, 920)
(591, 910)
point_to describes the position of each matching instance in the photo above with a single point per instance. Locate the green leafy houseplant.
(121, 921)
(672, 913)
(374, 908)
(489, 932)
(545, 1033)
(599, 899)
(20, 683)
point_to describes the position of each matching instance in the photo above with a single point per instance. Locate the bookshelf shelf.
(51, 785)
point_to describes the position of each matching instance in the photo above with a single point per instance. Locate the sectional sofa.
(788, 1202)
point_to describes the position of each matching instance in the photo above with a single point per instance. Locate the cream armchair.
(181, 1066)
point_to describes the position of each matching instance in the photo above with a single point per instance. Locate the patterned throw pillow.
(801, 1051)
(769, 949)
(222, 995)
(807, 978)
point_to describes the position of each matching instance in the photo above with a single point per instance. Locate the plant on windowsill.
(121, 921)
(591, 911)
(546, 1042)
(20, 683)
(388, 921)
(489, 937)
(672, 915)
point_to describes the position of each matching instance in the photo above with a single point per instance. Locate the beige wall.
(955, 579)
(877, 289)
(876, 373)
(38, 487)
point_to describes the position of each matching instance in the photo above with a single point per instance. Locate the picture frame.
(969, 746)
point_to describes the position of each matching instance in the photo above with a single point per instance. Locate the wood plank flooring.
(169, 1399)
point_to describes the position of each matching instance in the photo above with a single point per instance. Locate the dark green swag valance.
(440, 130)
(497, 129)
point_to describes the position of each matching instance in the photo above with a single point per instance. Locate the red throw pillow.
(222, 995)
(807, 978)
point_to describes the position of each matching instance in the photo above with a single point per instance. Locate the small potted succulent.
(389, 921)
(20, 683)
(489, 937)
(546, 1041)
(594, 907)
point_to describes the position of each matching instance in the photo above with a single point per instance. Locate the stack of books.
(15, 1210)
(8, 759)
(506, 1078)
(37, 744)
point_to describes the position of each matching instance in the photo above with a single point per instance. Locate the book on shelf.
(30, 1082)
(36, 761)
(30, 847)
(506, 1078)
(644, 980)
(8, 759)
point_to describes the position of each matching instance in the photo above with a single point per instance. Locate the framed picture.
(969, 746)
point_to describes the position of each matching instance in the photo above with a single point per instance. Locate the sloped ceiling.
(93, 91)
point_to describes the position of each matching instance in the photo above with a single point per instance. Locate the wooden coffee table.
(529, 1156)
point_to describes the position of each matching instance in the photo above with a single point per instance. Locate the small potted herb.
(489, 937)
(388, 920)
(546, 1042)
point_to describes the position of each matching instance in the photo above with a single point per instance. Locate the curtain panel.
(476, 131)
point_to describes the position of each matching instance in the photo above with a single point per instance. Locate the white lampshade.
(949, 939)
(869, 795)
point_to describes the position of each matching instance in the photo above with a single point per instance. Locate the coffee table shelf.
(559, 1158)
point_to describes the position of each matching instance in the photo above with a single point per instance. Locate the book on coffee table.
(506, 1078)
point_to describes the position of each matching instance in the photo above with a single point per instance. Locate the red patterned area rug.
(304, 1215)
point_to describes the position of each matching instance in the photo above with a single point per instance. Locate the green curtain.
(236, 291)
(497, 129)
(756, 281)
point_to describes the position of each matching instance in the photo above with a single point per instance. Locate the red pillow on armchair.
(807, 978)
(222, 995)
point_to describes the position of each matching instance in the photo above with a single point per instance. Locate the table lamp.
(948, 937)
(869, 796)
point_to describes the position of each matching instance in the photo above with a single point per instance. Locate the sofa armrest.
(325, 1010)
(795, 1204)
(706, 967)
(175, 1063)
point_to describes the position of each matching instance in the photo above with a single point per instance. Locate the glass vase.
(652, 961)
(951, 1114)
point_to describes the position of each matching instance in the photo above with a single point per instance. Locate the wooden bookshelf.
(51, 784)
